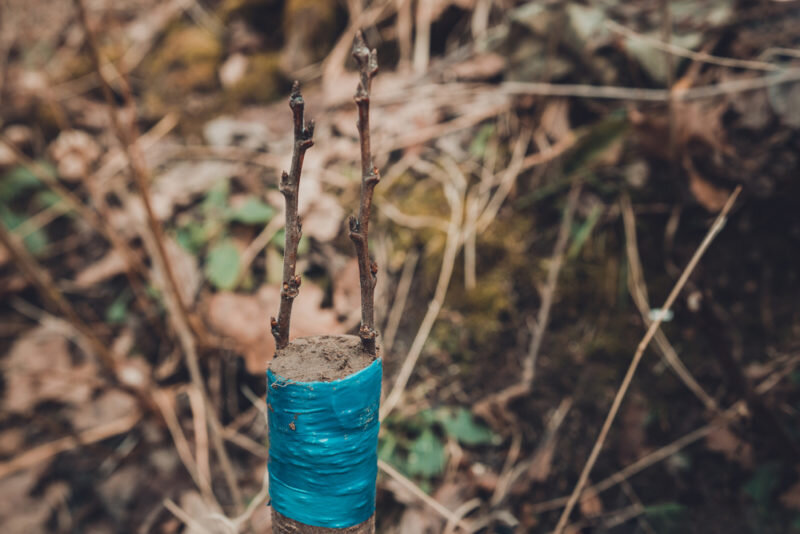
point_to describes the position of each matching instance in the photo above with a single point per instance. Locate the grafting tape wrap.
(323, 440)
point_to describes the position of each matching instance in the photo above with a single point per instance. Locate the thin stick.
(421, 495)
(452, 243)
(290, 187)
(37, 455)
(690, 54)
(638, 290)
(41, 279)
(178, 313)
(400, 297)
(359, 226)
(612, 413)
(129, 140)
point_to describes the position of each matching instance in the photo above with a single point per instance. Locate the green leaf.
(253, 211)
(36, 241)
(118, 309)
(15, 181)
(583, 233)
(465, 429)
(192, 237)
(222, 264)
(47, 199)
(426, 456)
(217, 197)
(763, 484)
(479, 143)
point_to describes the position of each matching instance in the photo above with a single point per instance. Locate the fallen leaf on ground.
(347, 288)
(74, 152)
(109, 265)
(39, 368)
(723, 440)
(181, 183)
(590, 504)
(245, 320)
(711, 197)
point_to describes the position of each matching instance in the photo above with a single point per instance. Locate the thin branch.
(422, 496)
(359, 226)
(623, 389)
(691, 54)
(290, 187)
(44, 283)
(37, 455)
(452, 244)
(178, 313)
(638, 290)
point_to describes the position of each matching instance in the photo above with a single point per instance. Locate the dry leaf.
(723, 440)
(542, 462)
(320, 212)
(39, 368)
(480, 67)
(20, 512)
(109, 265)
(181, 183)
(74, 152)
(110, 405)
(347, 289)
(245, 320)
(186, 270)
(590, 504)
(206, 516)
(707, 194)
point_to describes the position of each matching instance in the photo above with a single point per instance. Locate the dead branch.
(178, 315)
(290, 187)
(637, 357)
(359, 226)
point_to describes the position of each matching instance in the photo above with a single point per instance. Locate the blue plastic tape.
(323, 447)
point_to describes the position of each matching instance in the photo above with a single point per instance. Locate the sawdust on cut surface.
(321, 358)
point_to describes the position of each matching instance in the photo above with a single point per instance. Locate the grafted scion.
(289, 186)
(359, 226)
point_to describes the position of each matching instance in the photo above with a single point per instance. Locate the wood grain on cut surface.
(283, 525)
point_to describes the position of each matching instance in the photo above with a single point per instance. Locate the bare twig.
(680, 51)
(400, 297)
(612, 413)
(638, 290)
(424, 497)
(41, 279)
(37, 455)
(290, 187)
(178, 313)
(455, 198)
(359, 226)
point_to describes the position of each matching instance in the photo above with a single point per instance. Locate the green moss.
(262, 82)
(186, 61)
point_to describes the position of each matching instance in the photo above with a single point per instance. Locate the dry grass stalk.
(179, 316)
(612, 413)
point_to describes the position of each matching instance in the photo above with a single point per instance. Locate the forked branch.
(289, 186)
(359, 226)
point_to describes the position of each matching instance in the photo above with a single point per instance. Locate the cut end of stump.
(321, 358)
